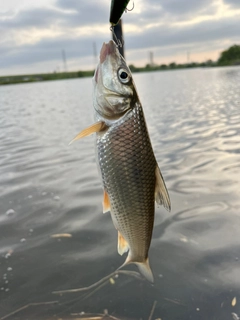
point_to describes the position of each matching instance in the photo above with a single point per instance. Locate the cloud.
(48, 17)
(75, 13)
(175, 37)
(167, 11)
(37, 17)
(35, 35)
(206, 31)
(71, 13)
(48, 50)
(87, 12)
(184, 7)
(40, 33)
(233, 3)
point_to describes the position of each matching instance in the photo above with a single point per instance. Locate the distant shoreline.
(6, 80)
(44, 77)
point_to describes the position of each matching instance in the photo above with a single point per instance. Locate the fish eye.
(123, 76)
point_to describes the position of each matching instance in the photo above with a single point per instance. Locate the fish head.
(113, 87)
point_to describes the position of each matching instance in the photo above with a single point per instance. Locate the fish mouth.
(107, 49)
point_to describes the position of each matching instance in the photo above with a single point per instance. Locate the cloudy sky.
(34, 33)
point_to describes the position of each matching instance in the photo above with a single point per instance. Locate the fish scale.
(131, 187)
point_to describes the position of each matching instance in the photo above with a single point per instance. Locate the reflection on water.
(48, 187)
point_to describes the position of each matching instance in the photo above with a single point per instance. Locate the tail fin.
(143, 267)
(145, 270)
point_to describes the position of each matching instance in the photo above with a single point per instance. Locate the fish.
(132, 180)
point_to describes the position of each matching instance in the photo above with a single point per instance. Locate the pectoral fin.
(106, 202)
(161, 193)
(122, 244)
(96, 127)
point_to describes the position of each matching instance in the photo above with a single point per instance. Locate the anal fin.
(161, 193)
(122, 244)
(106, 202)
(96, 127)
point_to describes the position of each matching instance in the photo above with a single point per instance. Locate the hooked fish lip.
(107, 49)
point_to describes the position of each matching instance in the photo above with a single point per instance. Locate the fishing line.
(118, 42)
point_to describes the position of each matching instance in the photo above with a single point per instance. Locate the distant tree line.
(229, 57)
(172, 65)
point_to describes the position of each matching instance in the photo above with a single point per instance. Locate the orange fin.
(161, 193)
(96, 127)
(122, 244)
(106, 202)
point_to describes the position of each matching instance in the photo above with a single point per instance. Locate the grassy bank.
(44, 77)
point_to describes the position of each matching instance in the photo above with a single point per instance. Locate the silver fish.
(131, 178)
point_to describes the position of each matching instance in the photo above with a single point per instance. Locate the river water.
(48, 187)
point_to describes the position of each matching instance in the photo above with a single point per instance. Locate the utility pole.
(95, 56)
(188, 57)
(64, 60)
(151, 59)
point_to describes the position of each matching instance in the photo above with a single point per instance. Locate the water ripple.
(48, 187)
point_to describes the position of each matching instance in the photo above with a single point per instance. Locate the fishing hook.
(130, 9)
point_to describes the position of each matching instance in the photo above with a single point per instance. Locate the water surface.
(48, 187)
